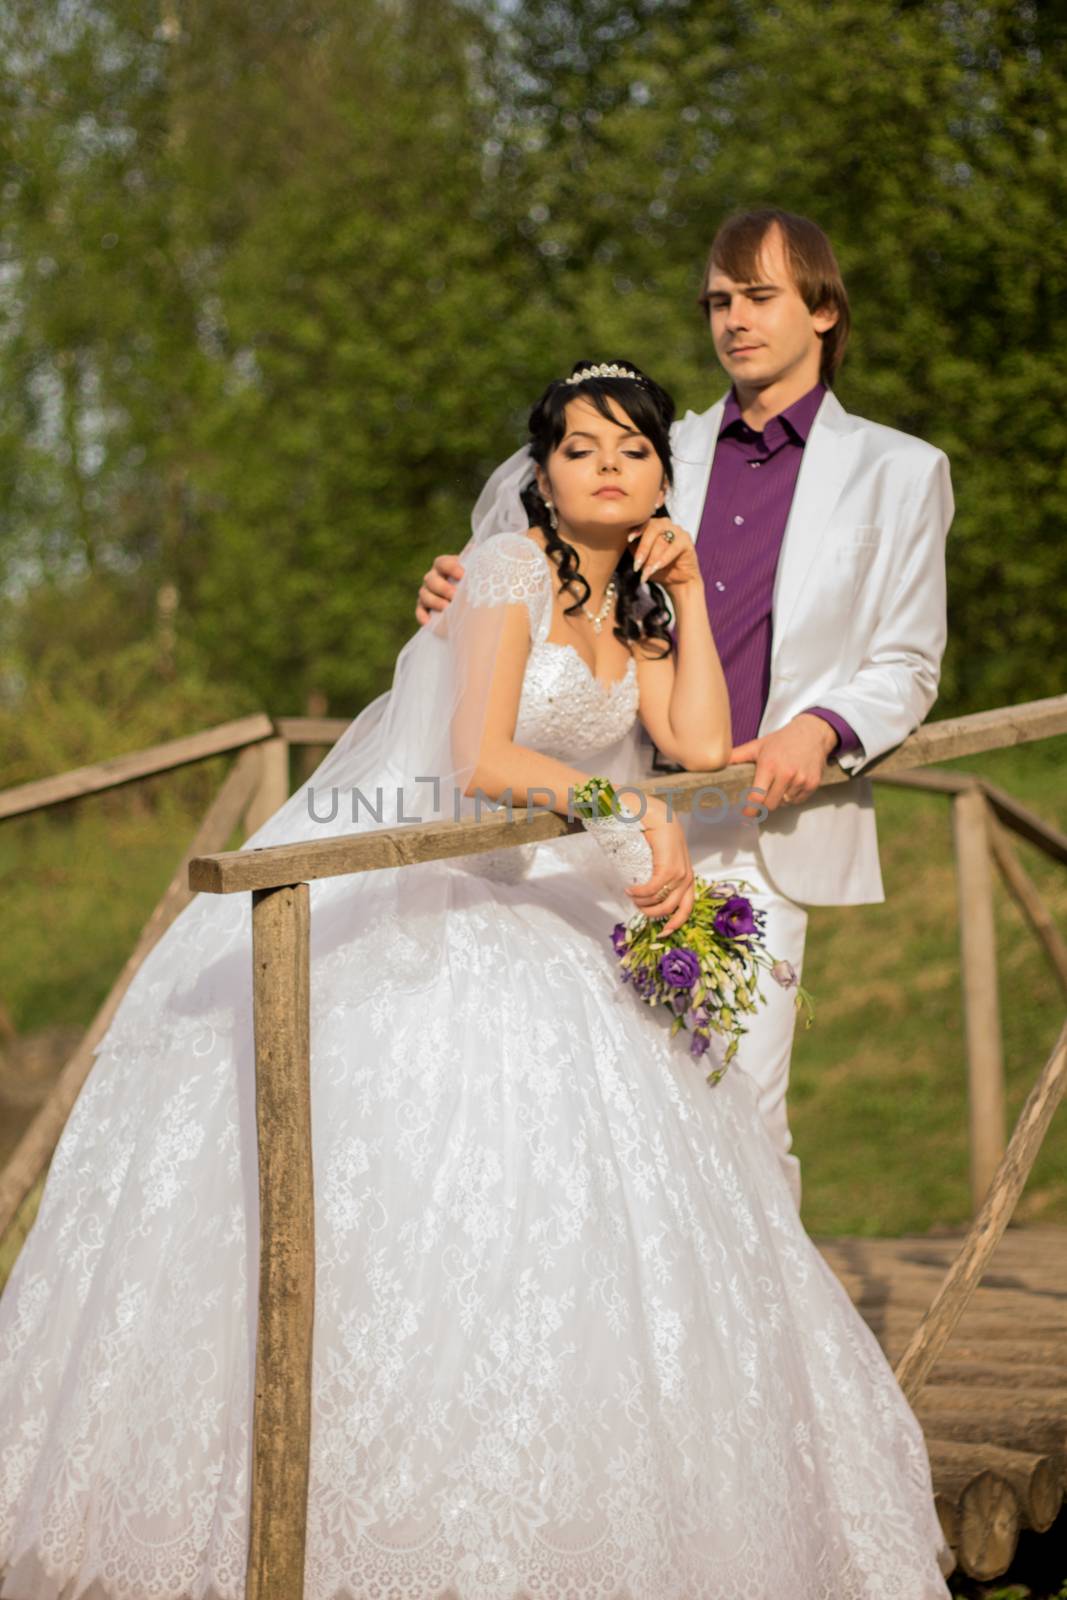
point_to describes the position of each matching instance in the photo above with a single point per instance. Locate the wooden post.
(981, 1007)
(1022, 888)
(281, 1419)
(273, 789)
(965, 1273)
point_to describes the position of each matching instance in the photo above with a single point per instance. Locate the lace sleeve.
(509, 570)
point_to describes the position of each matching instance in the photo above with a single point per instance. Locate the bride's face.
(603, 474)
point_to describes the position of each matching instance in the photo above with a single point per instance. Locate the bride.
(571, 1339)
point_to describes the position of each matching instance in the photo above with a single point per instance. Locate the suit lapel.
(692, 452)
(828, 457)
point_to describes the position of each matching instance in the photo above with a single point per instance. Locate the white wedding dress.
(571, 1340)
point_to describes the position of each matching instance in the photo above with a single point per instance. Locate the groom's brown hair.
(735, 250)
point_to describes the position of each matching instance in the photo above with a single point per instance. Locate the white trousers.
(728, 850)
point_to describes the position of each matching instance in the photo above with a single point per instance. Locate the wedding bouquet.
(706, 974)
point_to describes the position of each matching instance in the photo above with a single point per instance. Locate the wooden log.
(981, 1005)
(1000, 1375)
(138, 764)
(34, 1151)
(909, 1295)
(989, 1523)
(311, 730)
(1049, 1355)
(1036, 1479)
(1026, 823)
(948, 1514)
(1024, 892)
(273, 790)
(1027, 1405)
(239, 871)
(948, 1306)
(1009, 812)
(897, 1327)
(932, 782)
(281, 1424)
(1035, 1435)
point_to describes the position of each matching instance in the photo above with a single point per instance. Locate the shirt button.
(719, 585)
(739, 520)
(755, 463)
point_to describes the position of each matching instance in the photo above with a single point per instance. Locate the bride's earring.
(553, 520)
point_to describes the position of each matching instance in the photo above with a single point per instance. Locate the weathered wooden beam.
(34, 1150)
(138, 764)
(1035, 1478)
(281, 1425)
(948, 1305)
(311, 730)
(239, 871)
(989, 1521)
(1025, 894)
(1026, 823)
(273, 789)
(981, 1005)
(1044, 1435)
(932, 782)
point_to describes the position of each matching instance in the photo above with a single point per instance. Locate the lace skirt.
(570, 1341)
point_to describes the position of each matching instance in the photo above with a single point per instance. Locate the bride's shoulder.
(507, 568)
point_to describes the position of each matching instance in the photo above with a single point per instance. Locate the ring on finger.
(669, 535)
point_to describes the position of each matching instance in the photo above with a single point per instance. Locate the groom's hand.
(438, 586)
(789, 762)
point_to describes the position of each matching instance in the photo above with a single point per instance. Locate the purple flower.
(679, 968)
(698, 1018)
(698, 1044)
(786, 974)
(644, 982)
(618, 938)
(735, 918)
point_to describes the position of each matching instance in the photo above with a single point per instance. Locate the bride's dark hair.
(651, 410)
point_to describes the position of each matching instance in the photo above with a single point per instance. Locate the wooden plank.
(34, 1150)
(273, 790)
(281, 1422)
(934, 781)
(1024, 892)
(138, 764)
(311, 730)
(240, 871)
(1026, 823)
(1038, 1435)
(1035, 1478)
(956, 737)
(951, 1300)
(981, 1006)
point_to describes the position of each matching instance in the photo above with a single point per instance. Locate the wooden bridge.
(975, 1324)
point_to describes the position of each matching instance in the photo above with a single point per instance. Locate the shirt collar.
(797, 418)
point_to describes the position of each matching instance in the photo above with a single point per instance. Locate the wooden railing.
(278, 879)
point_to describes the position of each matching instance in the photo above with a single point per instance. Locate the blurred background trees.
(279, 281)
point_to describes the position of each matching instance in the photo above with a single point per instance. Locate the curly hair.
(641, 614)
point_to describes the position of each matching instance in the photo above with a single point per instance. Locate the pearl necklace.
(609, 600)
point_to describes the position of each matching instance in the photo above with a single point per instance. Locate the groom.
(821, 541)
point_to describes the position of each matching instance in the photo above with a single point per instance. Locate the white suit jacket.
(858, 622)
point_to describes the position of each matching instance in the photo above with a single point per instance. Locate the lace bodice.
(564, 710)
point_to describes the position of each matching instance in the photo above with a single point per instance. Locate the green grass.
(879, 1105)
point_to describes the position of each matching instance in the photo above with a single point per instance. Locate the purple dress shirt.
(749, 496)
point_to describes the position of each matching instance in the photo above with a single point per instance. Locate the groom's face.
(763, 331)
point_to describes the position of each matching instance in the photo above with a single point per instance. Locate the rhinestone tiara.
(612, 371)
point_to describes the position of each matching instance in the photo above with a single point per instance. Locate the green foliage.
(279, 282)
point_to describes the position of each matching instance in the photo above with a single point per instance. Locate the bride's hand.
(671, 870)
(663, 550)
